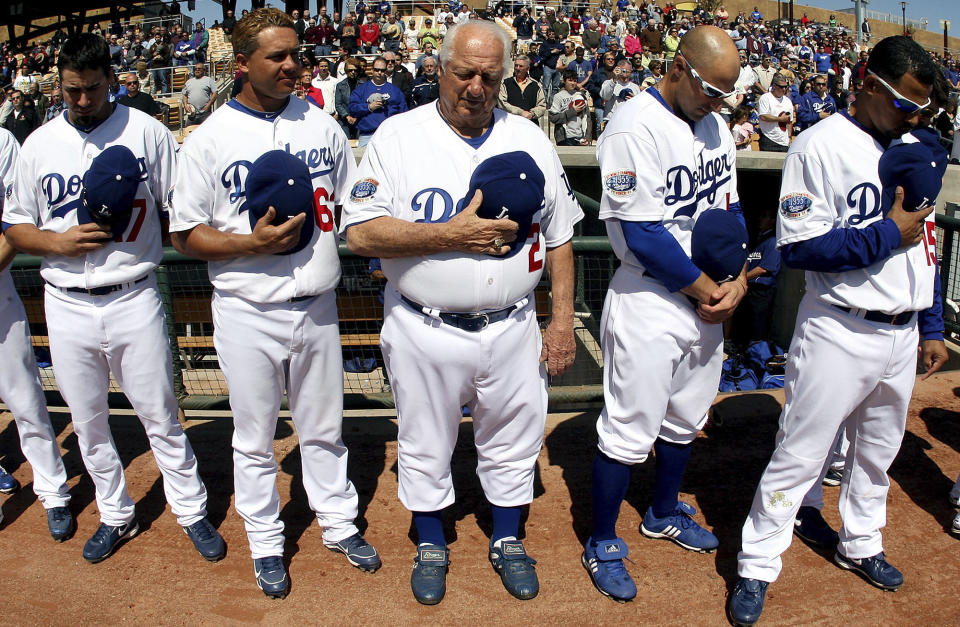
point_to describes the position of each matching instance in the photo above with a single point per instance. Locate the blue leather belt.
(471, 322)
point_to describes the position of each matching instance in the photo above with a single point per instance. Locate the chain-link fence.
(186, 293)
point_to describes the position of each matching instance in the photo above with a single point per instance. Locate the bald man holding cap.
(665, 159)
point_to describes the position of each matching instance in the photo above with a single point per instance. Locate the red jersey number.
(323, 208)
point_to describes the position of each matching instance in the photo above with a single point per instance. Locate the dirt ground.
(158, 578)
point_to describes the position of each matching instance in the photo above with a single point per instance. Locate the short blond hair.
(246, 32)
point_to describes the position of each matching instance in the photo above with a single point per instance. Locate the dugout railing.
(186, 292)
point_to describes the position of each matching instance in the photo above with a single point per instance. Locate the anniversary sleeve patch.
(620, 183)
(364, 190)
(795, 206)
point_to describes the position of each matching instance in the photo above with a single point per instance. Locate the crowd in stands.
(573, 66)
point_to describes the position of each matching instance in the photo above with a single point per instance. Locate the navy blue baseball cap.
(109, 188)
(718, 244)
(913, 167)
(512, 187)
(278, 179)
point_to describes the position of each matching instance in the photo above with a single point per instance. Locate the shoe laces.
(58, 514)
(204, 532)
(615, 568)
(271, 563)
(355, 541)
(103, 533)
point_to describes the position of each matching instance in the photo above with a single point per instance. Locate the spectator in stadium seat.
(570, 113)
(370, 35)
(391, 34)
(23, 119)
(327, 84)
(354, 76)
(411, 37)
(349, 34)
(136, 98)
(399, 75)
(618, 89)
(425, 87)
(56, 104)
(374, 101)
(522, 95)
(428, 53)
(523, 24)
(199, 94)
(428, 34)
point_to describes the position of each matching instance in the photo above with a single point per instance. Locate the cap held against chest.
(109, 188)
(912, 167)
(718, 245)
(278, 179)
(512, 187)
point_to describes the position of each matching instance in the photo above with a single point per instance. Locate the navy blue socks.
(671, 464)
(610, 482)
(429, 528)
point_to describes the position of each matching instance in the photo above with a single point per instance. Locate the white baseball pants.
(265, 350)
(435, 369)
(841, 371)
(20, 389)
(122, 333)
(661, 367)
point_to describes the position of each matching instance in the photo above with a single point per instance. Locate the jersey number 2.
(322, 200)
(536, 259)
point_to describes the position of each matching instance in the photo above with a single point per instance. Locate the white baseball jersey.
(9, 152)
(821, 190)
(211, 190)
(47, 190)
(768, 104)
(389, 184)
(681, 173)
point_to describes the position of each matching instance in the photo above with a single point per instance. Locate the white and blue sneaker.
(603, 559)
(272, 576)
(877, 570)
(8, 484)
(680, 528)
(955, 529)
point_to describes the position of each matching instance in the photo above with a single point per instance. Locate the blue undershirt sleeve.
(840, 250)
(737, 210)
(930, 320)
(660, 253)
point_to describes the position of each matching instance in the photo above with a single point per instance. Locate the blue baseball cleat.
(516, 570)
(429, 577)
(272, 576)
(60, 523)
(8, 485)
(603, 559)
(359, 552)
(746, 602)
(106, 539)
(207, 540)
(877, 570)
(680, 528)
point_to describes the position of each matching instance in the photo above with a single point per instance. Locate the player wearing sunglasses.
(872, 296)
(665, 158)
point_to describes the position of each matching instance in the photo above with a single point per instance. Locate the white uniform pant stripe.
(840, 370)
(264, 350)
(21, 391)
(124, 334)
(659, 377)
(435, 369)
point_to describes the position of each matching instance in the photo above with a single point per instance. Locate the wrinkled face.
(470, 80)
(198, 70)
(429, 67)
(521, 67)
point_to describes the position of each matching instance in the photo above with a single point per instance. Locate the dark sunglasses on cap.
(899, 100)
